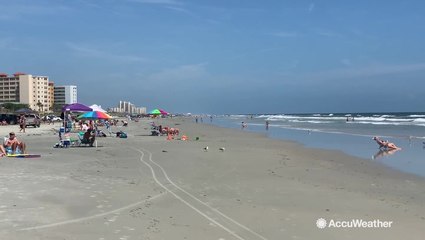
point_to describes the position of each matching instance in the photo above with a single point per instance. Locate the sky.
(224, 56)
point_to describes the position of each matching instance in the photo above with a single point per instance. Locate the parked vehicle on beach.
(6, 118)
(32, 120)
(51, 118)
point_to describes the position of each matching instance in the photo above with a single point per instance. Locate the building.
(129, 108)
(65, 94)
(26, 89)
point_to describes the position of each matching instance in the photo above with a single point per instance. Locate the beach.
(147, 187)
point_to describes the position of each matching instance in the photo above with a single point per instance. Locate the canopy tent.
(76, 107)
(158, 111)
(163, 112)
(98, 108)
(25, 110)
(155, 112)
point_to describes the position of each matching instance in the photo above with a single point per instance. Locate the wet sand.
(146, 187)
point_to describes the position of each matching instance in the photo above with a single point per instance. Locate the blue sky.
(224, 56)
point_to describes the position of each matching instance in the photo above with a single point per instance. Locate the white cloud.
(311, 7)
(178, 9)
(328, 33)
(284, 34)
(167, 2)
(346, 62)
(96, 53)
(16, 10)
(345, 73)
(10, 44)
(179, 74)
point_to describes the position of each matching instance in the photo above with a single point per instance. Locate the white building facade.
(65, 94)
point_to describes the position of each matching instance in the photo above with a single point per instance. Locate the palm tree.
(40, 106)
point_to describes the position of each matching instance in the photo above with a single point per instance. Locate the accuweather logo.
(321, 223)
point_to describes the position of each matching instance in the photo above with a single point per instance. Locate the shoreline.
(145, 186)
(408, 160)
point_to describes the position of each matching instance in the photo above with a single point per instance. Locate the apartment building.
(27, 89)
(65, 94)
(128, 107)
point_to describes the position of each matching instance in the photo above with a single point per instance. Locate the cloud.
(180, 74)
(284, 34)
(311, 7)
(178, 9)
(166, 2)
(328, 33)
(16, 11)
(4, 42)
(346, 62)
(9, 44)
(359, 72)
(96, 53)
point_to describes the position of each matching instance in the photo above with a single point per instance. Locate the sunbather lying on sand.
(384, 144)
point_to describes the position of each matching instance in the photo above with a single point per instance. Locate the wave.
(419, 120)
(309, 121)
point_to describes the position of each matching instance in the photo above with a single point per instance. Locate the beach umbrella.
(76, 107)
(155, 112)
(94, 115)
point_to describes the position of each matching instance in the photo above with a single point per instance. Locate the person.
(12, 144)
(2, 151)
(267, 125)
(89, 137)
(244, 125)
(22, 123)
(108, 127)
(385, 144)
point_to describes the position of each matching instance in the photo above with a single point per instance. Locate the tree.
(40, 106)
(12, 107)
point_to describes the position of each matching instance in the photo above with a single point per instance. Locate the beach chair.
(85, 142)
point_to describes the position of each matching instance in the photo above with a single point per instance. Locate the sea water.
(348, 132)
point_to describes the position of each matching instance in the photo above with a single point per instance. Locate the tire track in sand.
(215, 216)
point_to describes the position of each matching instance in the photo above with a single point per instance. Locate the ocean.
(347, 132)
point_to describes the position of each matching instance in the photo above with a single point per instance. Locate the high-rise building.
(27, 89)
(65, 94)
(128, 107)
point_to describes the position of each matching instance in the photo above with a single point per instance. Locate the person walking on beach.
(244, 125)
(22, 123)
(267, 125)
(108, 127)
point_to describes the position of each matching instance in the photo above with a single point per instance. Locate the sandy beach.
(146, 187)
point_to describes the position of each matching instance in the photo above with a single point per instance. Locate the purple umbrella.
(76, 107)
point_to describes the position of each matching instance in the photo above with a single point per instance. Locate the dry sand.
(146, 187)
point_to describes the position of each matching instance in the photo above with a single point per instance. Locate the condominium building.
(27, 89)
(128, 107)
(65, 94)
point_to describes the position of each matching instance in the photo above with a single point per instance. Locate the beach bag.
(123, 135)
